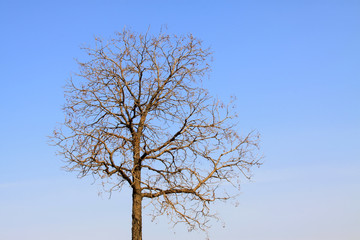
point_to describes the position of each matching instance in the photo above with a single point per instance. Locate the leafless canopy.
(136, 113)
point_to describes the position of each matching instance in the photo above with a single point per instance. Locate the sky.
(292, 65)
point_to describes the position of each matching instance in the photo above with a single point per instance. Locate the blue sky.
(293, 66)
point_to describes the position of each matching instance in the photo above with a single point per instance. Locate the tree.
(136, 114)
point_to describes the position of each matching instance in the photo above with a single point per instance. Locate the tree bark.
(136, 229)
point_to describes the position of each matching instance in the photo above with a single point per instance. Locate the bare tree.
(137, 114)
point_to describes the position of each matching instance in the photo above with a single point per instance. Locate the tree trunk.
(136, 229)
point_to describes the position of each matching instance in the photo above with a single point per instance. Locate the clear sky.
(294, 67)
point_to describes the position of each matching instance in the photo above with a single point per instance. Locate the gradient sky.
(294, 67)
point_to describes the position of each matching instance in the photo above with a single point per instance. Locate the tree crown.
(136, 112)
